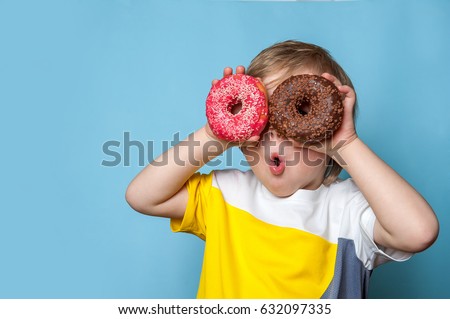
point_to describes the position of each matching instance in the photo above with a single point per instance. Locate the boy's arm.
(159, 189)
(404, 220)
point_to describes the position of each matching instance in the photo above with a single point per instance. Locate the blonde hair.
(289, 56)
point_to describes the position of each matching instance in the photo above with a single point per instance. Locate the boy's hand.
(346, 133)
(252, 140)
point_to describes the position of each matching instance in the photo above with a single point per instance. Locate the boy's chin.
(281, 192)
(285, 190)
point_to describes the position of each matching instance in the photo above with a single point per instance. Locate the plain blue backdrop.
(78, 75)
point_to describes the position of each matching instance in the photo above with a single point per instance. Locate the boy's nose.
(272, 139)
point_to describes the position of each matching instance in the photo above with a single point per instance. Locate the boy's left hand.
(346, 133)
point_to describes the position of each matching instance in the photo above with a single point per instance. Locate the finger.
(251, 142)
(240, 69)
(348, 101)
(227, 71)
(347, 91)
(332, 78)
(255, 138)
(329, 76)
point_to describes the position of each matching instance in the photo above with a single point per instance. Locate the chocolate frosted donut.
(306, 108)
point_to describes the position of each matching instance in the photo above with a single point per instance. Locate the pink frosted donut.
(226, 97)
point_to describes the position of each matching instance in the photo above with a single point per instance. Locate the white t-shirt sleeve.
(360, 220)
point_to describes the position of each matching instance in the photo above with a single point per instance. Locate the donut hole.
(303, 106)
(235, 107)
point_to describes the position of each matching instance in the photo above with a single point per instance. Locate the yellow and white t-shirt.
(312, 244)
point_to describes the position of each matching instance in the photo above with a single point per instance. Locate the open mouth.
(277, 161)
(277, 164)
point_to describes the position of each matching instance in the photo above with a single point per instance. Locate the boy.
(288, 228)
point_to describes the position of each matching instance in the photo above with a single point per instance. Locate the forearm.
(167, 174)
(405, 220)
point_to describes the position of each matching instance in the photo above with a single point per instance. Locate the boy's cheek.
(315, 155)
(252, 154)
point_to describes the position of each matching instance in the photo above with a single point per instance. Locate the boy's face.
(281, 165)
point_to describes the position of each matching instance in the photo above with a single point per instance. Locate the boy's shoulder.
(344, 185)
(345, 191)
(234, 173)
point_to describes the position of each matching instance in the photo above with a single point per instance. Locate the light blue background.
(76, 74)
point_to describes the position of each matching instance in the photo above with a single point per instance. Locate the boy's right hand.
(229, 71)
